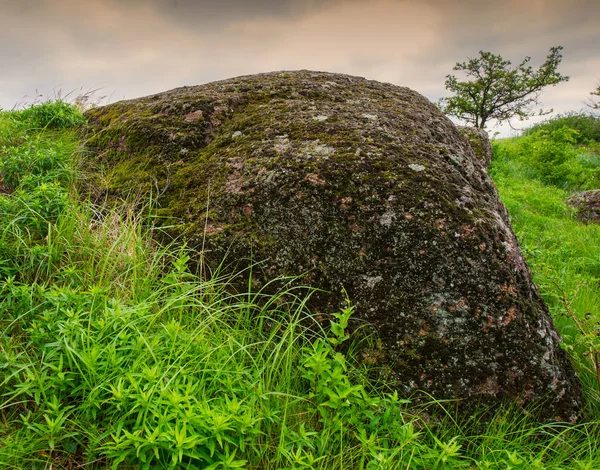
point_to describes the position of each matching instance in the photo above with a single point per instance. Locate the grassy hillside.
(114, 355)
(535, 174)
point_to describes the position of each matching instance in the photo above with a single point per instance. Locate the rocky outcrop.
(480, 143)
(586, 205)
(361, 185)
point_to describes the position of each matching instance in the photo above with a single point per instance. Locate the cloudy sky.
(131, 48)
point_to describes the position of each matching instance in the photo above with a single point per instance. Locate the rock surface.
(364, 185)
(480, 143)
(586, 205)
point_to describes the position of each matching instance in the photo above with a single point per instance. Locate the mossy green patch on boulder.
(364, 186)
(480, 143)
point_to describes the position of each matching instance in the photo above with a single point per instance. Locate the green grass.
(563, 253)
(114, 355)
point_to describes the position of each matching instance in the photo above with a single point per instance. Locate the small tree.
(495, 90)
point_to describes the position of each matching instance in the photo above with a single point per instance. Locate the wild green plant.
(550, 157)
(51, 114)
(586, 125)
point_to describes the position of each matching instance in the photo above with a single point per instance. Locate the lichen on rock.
(586, 206)
(384, 198)
(480, 143)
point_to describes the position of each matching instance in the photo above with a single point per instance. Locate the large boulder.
(362, 185)
(586, 205)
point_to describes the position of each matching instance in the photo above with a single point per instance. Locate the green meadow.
(114, 355)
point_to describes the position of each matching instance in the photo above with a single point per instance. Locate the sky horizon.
(133, 48)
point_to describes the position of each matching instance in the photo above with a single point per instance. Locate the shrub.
(586, 125)
(549, 156)
(51, 115)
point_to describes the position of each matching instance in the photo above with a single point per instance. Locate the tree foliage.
(594, 102)
(493, 89)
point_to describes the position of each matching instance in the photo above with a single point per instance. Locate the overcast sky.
(131, 48)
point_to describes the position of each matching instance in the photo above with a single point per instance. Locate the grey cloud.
(471, 25)
(187, 10)
(137, 47)
(186, 13)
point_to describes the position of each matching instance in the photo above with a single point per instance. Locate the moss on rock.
(365, 186)
(480, 143)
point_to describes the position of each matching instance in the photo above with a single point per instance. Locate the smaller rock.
(193, 116)
(236, 134)
(480, 143)
(586, 205)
